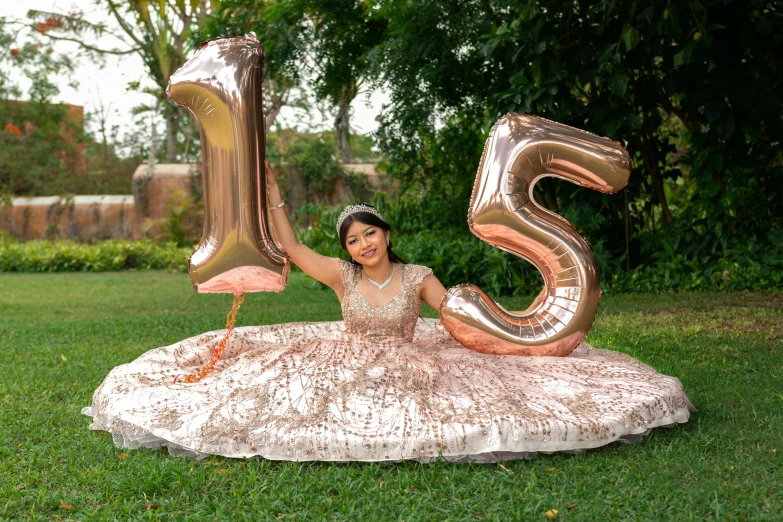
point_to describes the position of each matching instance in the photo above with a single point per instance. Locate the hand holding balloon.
(276, 204)
(274, 197)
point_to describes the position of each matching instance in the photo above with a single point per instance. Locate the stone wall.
(81, 218)
(92, 218)
(153, 191)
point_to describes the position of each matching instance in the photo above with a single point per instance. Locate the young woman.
(367, 239)
(383, 384)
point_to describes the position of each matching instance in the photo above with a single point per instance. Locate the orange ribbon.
(217, 352)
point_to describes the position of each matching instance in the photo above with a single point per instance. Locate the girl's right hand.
(272, 188)
(271, 175)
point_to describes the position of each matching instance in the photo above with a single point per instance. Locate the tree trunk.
(627, 232)
(657, 183)
(276, 93)
(650, 160)
(342, 130)
(187, 139)
(172, 126)
(549, 183)
(153, 146)
(281, 145)
(271, 115)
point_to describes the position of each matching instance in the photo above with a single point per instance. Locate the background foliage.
(693, 90)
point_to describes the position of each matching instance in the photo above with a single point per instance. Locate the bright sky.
(108, 81)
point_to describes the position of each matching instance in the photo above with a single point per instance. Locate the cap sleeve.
(348, 272)
(417, 274)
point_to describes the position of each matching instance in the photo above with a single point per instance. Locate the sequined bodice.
(396, 319)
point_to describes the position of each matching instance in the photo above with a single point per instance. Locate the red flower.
(50, 23)
(13, 129)
(16, 53)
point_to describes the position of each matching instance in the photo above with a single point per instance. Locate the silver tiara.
(353, 209)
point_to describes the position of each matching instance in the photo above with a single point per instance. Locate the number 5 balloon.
(520, 150)
(221, 86)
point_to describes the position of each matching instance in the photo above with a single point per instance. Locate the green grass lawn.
(60, 334)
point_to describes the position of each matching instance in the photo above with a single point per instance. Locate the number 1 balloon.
(520, 150)
(221, 85)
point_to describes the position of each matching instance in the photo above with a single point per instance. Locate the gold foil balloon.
(520, 150)
(221, 85)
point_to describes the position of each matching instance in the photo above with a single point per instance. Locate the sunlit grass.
(60, 334)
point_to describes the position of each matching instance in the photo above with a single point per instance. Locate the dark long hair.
(368, 219)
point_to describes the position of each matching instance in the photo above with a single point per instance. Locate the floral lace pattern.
(382, 385)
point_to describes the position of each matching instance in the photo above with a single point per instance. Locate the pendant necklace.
(381, 286)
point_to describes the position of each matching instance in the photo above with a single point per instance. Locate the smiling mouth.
(369, 254)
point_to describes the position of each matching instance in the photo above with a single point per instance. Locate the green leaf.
(630, 36)
(679, 59)
(536, 70)
(713, 110)
(684, 57)
(633, 121)
(528, 12)
(725, 125)
(618, 82)
(489, 47)
(716, 161)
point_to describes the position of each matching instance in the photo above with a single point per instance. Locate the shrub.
(67, 256)
(456, 256)
(185, 219)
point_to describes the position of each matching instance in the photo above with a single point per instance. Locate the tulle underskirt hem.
(135, 439)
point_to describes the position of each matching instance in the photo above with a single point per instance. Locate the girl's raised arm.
(322, 268)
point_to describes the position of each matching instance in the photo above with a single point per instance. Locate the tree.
(328, 41)
(693, 90)
(334, 39)
(238, 17)
(159, 32)
(39, 141)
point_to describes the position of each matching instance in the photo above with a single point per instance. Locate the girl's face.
(366, 243)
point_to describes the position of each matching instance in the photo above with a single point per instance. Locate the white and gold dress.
(381, 385)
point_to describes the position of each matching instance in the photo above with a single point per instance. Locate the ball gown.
(383, 384)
